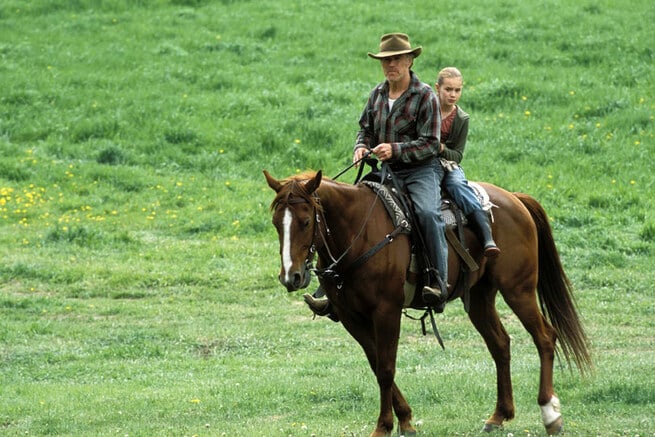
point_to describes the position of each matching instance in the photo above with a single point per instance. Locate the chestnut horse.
(341, 222)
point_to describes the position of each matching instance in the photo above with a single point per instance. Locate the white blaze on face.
(286, 243)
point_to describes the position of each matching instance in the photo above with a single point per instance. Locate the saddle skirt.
(392, 204)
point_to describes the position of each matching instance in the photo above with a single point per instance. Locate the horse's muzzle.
(297, 280)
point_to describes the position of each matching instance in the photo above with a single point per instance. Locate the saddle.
(398, 205)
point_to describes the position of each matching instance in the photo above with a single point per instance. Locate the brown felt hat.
(394, 44)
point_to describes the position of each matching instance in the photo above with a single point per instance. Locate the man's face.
(396, 68)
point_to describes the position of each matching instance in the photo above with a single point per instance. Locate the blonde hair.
(448, 73)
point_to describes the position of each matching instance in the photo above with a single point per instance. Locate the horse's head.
(294, 216)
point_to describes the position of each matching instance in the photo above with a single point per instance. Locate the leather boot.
(481, 225)
(431, 295)
(436, 294)
(320, 307)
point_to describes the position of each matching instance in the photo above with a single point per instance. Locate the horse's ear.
(272, 182)
(313, 184)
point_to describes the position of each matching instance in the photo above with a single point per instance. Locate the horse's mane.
(305, 175)
(294, 187)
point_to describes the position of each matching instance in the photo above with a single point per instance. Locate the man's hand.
(383, 151)
(359, 154)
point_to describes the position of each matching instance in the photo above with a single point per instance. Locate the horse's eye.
(305, 223)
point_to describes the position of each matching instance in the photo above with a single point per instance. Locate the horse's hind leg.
(485, 318)
(525, 307)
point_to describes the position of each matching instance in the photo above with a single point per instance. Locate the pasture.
(138, 272)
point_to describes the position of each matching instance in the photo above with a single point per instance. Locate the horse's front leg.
(379, 340)
(386, 325)
(403, 412)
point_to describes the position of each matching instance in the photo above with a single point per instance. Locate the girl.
(454, 130)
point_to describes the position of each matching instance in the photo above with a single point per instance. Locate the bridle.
(335, 271)
(309, 260)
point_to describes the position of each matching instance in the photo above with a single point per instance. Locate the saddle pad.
(396, 213)
(399, 217)
(483, 196)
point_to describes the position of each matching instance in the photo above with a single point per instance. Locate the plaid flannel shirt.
(413, 126)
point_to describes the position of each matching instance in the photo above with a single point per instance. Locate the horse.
(340, 222)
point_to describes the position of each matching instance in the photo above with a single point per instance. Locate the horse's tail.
(555, 291)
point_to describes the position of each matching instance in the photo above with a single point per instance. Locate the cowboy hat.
(394, 44)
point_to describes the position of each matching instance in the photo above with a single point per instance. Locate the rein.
(361, 168)
(331, 270)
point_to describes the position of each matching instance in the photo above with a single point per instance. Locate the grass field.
(138, 289)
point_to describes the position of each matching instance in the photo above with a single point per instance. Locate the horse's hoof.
(490, 427)
(556, 427)
(407, 433)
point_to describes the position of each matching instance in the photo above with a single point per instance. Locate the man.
(401, 126)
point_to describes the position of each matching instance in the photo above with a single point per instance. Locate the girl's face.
(450, 91)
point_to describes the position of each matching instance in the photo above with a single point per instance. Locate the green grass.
(138, 289)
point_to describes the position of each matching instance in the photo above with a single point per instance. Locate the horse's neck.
(354, 223)
(346, 209)
(339, 199)
(335, 201)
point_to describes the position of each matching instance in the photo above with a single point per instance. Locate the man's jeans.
(423, 184)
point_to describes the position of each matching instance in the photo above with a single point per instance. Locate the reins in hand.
(361, 168)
